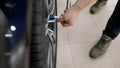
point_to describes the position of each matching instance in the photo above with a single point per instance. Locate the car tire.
(39, 41)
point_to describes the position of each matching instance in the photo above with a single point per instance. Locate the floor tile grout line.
(72, 57)
(111, 58)
(82, 42)
(68, 41)
(69, 34)
(70, 54)
(68, 37)
(63, 46)
(97, 27)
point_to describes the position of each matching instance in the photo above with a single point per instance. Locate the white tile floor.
(75, 42)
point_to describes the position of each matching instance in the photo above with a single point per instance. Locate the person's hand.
(69, 17)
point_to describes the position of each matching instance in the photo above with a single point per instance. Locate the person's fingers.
(62, 15)
(65, 18)
(66, 23)
(61, 19)
(65, 11)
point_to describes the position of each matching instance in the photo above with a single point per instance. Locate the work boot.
(101, 47)
(97, 6)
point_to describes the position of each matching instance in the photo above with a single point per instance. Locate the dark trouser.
(113, 26)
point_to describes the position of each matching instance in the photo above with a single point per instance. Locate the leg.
(97, 6)
(113, 26)
(111, 32)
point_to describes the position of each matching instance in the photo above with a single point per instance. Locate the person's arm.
(81, 4)
(70, 15)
